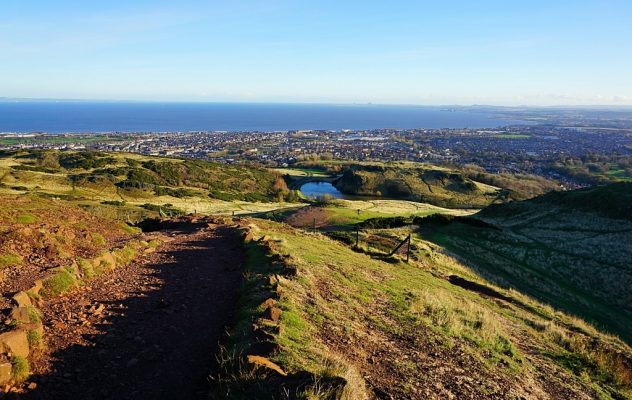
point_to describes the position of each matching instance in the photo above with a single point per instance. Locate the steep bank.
(569, 249)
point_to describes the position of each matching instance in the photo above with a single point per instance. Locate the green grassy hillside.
(569, 249)
(434, 185)
(340, 324)
(188, 185)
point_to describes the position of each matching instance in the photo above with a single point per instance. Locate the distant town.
(533, 149)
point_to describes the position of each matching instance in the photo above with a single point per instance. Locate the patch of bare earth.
(149, 330)
(404, 360)
(305, 216)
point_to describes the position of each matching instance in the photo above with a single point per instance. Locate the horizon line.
(92, 100)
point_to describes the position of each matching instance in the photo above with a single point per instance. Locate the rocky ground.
(147, 330)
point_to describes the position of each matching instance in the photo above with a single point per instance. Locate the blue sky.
(413, 52)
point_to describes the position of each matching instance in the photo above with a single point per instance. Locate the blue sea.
(84, 116)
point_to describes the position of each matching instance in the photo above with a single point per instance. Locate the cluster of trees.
(518, 186)
(595, 169)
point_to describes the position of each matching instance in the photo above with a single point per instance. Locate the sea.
(88, 116)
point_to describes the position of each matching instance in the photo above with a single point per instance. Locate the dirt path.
(146, 331)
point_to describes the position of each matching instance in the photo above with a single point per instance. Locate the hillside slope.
(336, 323)
(569, 249)
(188, 185)
(437, 186)
(39, 234)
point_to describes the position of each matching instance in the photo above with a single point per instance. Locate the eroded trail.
(146, 331)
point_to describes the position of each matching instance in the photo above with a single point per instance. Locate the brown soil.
(146, 331)
(304, 217)
(58, 234)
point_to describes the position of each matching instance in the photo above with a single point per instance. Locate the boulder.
(15, 342)
(106, 261)
(22, 299)
(272, 313)
(5, 372)
(249, 236)
(21, 315)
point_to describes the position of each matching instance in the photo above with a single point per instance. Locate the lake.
(86, 116)
(315, 189)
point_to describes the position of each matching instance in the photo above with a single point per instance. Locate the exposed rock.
(262, 362)
(21, 315)
(5, 372)
(272, 313)
(37, 286)
(22, 299)
(268, 303)
(15, 342)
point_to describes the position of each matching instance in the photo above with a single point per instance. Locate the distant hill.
(134, 178)
(434, 185)
(613, 201)
(570, 249)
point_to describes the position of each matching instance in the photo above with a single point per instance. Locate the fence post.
(314, 225)
(408, 249)
(357, 237)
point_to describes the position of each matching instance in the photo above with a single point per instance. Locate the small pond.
(315, 189)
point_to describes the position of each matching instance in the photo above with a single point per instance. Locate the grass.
(451, 189)
(98, 239)
(9, 260)
(26, 219)
(86, 268)
(301, 172)
(58, 284)
(20, 368)
(466, 319)
(364, 302)
(125, 255)
(246, 190)
(34, 338)
(571, 260)
(35, 316)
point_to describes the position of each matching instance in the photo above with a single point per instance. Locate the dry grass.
(494, 331)
(465, 319)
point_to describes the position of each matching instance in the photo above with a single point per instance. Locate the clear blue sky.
(416, 52)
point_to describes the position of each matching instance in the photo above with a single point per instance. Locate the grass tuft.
(20, 368)
(34, 339)
(26, 219)
(8, 260)
(57, 284)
